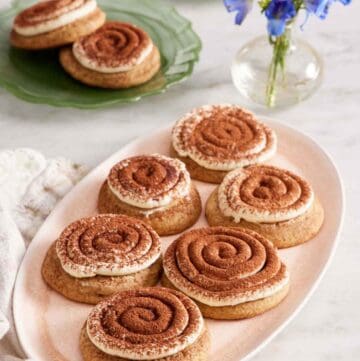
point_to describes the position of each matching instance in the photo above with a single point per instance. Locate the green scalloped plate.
(37, 77)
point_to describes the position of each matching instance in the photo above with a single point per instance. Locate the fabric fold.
(30, 187)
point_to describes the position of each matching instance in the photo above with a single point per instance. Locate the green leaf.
(264, 4)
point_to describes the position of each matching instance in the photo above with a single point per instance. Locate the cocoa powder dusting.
(147, 321)
(106, 243)
(223, 133)
(268, 188)
(45, 11)
(222, 263)
(149, 178)
(115, 44)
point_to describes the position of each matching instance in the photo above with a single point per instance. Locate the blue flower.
(320, 8)
(278, 13)
(242, 7)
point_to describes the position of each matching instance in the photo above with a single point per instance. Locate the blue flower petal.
(234, 5)
(276, 27)
(278, 13)
(241, 6)
(320, 8)
(240, 16)
(280, 9)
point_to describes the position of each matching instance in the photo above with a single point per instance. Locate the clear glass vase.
(277, 72)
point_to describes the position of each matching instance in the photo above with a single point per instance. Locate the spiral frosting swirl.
(110, 245)
(49, 15)
(264, 194)
(223, 137)
(149, 181)
(115, 47)
(221, 266)
(145, 324)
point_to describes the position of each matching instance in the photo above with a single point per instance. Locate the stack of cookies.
(231, 270)
(95, 52)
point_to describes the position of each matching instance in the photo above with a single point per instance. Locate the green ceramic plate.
(38, 77)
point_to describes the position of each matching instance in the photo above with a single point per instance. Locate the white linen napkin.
(30, 186)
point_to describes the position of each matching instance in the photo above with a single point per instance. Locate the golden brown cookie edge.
(198, 351)
(283, 234)
(140, 74)
(237, 312)
(92, 290)
(173, 219)
(67, 34)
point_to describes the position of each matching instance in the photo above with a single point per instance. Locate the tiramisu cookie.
(272, 201)
(153, 188)
(97, 256)
(215, 139)
(54, 23)
(145, 324)
(118, 55)
(231, 273)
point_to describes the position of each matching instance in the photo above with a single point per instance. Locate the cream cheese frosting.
(145, 324)
(149, 181)
(108, 245)
(223, 137)
(46, 16)
(115, 47)
(221, 266)
(264, 194)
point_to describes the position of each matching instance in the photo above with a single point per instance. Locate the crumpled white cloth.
(30, 187)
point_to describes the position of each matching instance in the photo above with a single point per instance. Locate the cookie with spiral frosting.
(215, 139)
(54, 23)
(117, 55)
(97, 256)
(272, 201)
(145, 324)
(231, 273)
(154, 188)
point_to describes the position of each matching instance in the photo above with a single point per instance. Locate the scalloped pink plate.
(48, 325)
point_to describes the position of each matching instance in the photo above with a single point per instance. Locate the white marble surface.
(328, 328)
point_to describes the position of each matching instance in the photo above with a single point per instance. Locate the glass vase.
(277, 72)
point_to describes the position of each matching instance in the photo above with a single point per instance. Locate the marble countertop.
(328, 328)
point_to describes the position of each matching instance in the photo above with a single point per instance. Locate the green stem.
(281, 46)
